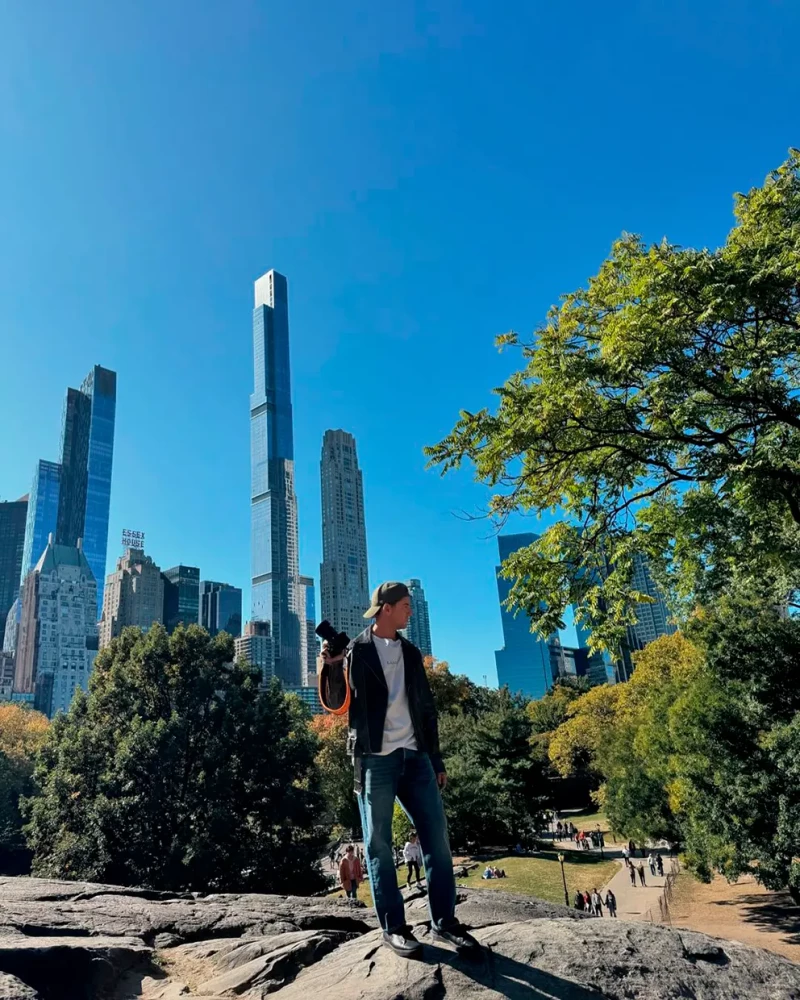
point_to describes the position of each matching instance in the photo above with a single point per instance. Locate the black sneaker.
(457, 935)
(402, 942)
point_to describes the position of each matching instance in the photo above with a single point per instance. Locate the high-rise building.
(181, 596)
(419, 627)
(58, 631)
(42, 517)
(652, 620)
(255, 646)
(310, 644)
(524, 664)
(309, 695)
(87, 452)
(12, 626)
(344, 578)
(220, 608)
(134, 595)
(273, 504)
(6, 676)
(13, 514)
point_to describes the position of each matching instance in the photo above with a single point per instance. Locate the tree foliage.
(658, 410)
(336, 774)
(177, 772)
(22, 733)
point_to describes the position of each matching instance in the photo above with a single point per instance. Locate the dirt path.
(745, 912)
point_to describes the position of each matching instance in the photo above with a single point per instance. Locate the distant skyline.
(428, 174)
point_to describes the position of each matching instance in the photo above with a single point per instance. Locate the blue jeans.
(408, 776)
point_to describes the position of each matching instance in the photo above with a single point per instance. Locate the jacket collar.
(370, 654)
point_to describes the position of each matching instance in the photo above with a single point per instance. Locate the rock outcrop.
(76, 941)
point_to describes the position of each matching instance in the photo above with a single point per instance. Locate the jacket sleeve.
(430, 721)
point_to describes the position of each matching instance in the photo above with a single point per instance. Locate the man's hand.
(330, 659)
(441, 780)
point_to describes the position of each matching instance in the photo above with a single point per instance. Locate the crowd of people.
(584, 839)
(593, 902)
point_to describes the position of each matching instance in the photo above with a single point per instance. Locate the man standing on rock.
(394, 740)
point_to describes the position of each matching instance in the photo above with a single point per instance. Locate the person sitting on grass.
(489, 873)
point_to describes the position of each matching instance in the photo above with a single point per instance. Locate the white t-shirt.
(412, 852)
(398, 730)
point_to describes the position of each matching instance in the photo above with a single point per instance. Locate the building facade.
(419, 627)
(309, 695)
(134, 595)
(87, 453)
(181, 596)
(525, 663)
(6, 676)
(13, 514)
(58, 630)
(344, 577)
(652, 619)
(255, 646)
(220, 608)
(310, 643)
(273, 505)
(42, 518)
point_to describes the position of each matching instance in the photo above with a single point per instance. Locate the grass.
(538, 876)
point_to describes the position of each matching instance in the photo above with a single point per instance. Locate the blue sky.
(426, 174)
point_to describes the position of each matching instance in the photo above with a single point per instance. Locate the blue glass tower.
(87, 452)
(42, 513)
(275, 594)
(524, 662)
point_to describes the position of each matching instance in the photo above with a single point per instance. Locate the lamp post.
(563, 879)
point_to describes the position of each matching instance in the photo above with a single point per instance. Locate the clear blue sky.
(426, 174)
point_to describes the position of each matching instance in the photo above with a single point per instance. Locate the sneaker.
(457, 935)
(402, 942)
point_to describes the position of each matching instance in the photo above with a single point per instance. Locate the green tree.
(335, 769)
(658, 410)
(495, 791)
(177, 772)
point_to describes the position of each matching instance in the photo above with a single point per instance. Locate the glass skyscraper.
(343, 577)
(181, 596)
(220, 608)
(419, 627)
(524, 664)
(275, 594)
(42, 513)
(13, 515)
(87, 452)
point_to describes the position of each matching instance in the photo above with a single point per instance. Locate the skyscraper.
(419, 627)
(220, 608)
(134, 595)
(344, 578)
(87, 452)
(273, 505)
(181, 596)
(58, 631)
(42, 517)
(255, 646)
(652, 620)
(309, 641)
(524, 664)
(13, 514)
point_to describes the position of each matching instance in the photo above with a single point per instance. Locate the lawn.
(538, 876)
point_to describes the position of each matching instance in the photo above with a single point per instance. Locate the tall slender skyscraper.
(12, 540)
(275, 596)
(42, 513)
(344, 580)
(87, 452)
(419, 628)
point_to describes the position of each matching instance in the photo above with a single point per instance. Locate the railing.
(660, 913)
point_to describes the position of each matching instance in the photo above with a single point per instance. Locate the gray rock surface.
(70, 941)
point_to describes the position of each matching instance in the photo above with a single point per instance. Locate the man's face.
(398, 615)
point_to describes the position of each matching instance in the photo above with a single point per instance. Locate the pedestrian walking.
(651, 863)
(558, 830)
(578, 902)
(597, 903)
(632, 873)
(350, 873)
(380, 681)
(412, 855)
(640, 869)
(626, 857)
(611, 903)
(632, 848)
(660, 864)
(587, 902)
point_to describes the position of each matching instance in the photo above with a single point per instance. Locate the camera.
(337, 641)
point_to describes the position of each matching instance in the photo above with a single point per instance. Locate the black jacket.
(369, 699)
